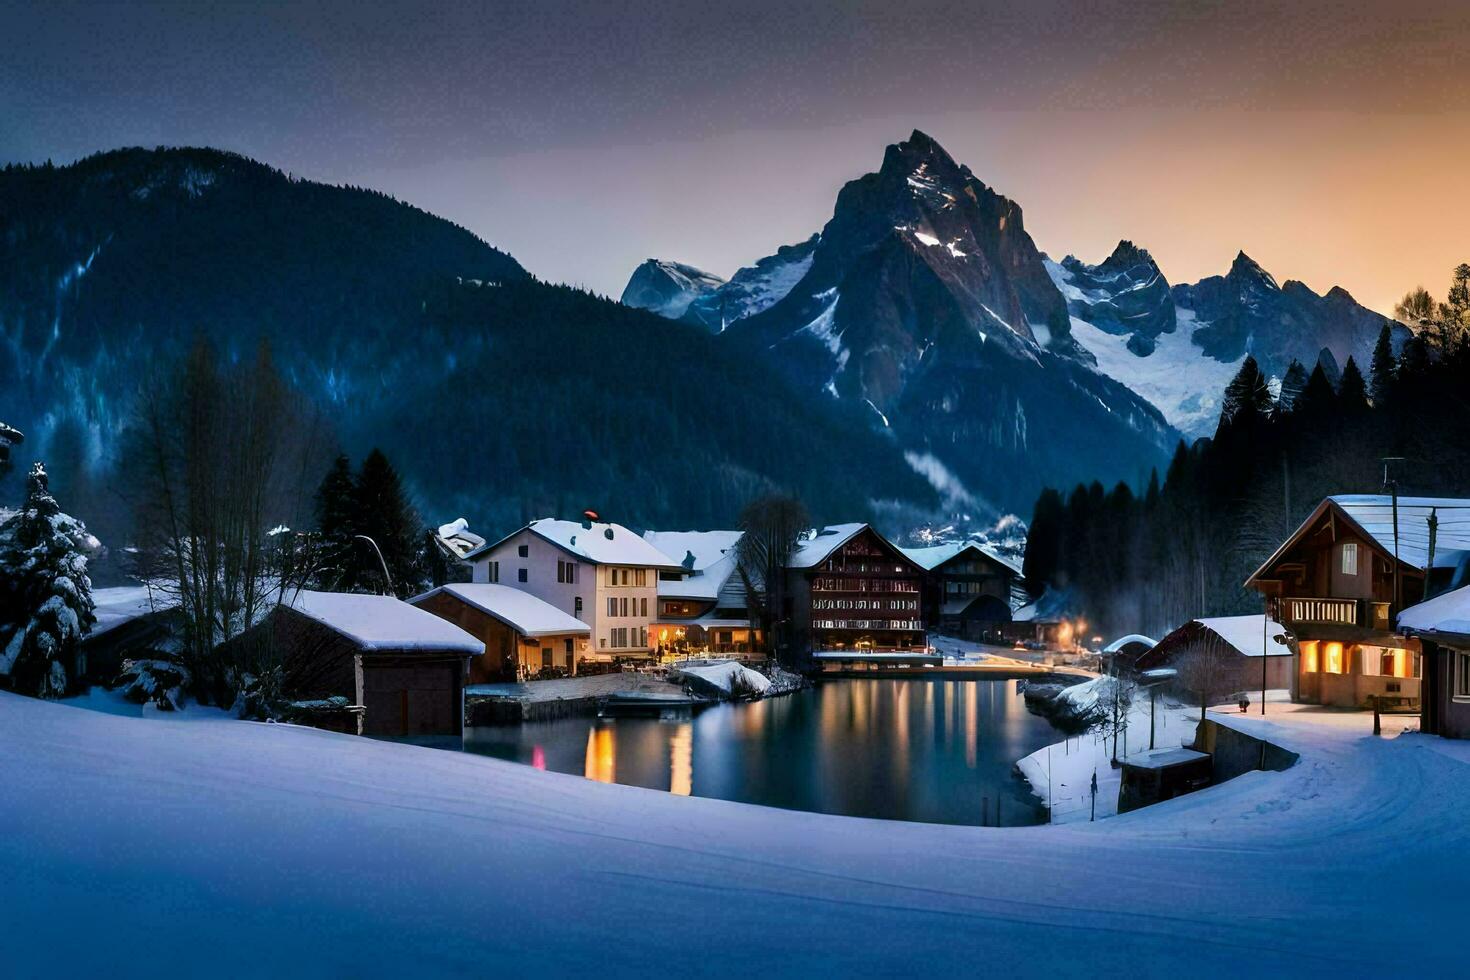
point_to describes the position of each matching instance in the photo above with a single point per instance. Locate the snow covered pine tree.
(45, 597)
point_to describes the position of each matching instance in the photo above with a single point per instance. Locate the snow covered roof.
(1248, 635)
(710, 558)
(705, 547)
(933, 556)
(380, 622)
(1131, 638)
(521, 611)
(123, 604)
(1371, 514)
(816, 545)
(1374, 514)
(1163, 758)
(593, 541)
(1447, 613)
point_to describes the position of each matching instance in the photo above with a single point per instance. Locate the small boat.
(647, 704)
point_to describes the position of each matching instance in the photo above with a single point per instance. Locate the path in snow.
(248, 849)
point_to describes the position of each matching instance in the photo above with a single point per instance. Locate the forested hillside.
(1185, 546)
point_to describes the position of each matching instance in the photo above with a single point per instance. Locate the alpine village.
(365, 594)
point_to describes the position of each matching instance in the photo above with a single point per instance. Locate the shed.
(404, 666)
(1161, 774)
(523, 636)
(1245, 639)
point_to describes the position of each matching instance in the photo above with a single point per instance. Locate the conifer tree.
(1383, 368)
(1292, 384)
(46, 602)
(335, 503)
(384, 513)
(1352, 392)
(1318, 397)
(1247, 397)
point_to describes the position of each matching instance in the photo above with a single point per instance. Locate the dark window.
(521, 574)
(577, 607)
(546, 656)
(524, 551)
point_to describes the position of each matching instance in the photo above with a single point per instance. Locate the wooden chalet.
(524, 637)
(1341, 578)
(968, 591)
(849, 589)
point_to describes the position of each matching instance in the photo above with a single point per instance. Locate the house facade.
(525, 638)
(1340, 580)
(702, 607)
(599, 573)
(849, 589)
(969, 590)
(1250, 651)
(1442, 626)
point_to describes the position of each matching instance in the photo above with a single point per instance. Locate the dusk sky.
(1328, 140)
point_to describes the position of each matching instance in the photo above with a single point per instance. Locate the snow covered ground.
(199, 844)
(1062, 773)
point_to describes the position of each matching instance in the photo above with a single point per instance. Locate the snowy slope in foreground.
(249, 849)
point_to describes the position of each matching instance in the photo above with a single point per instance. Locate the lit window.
(1332, 662)
(1310, 663)
(1350, 558)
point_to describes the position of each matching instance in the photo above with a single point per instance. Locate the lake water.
(940, 751)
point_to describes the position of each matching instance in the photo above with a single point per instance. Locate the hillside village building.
(523, 636)
(970, 591)
(1442, 626)
(848, 589)
(599, 573)
(702, 607)
(1340, 579)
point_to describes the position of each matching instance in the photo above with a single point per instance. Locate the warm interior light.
(1311, 663)
(1333, 660)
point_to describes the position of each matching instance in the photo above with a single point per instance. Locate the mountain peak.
(1127, 255)
(919, 149)
(1245, 267)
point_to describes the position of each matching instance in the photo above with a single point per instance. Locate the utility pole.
(1433, 536)
(1392, 485)
(1265, 648)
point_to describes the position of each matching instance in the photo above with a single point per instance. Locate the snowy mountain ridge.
(925, 304)
(1178, 346)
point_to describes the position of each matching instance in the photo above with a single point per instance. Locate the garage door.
(422, 699)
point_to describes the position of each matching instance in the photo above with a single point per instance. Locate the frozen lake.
(938, 751)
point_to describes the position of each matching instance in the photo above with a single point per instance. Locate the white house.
(702, 607)
(602, 574)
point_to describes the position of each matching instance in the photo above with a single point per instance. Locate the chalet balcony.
(1365, 613)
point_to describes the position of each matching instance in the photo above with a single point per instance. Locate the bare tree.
(217, 460)
(1114, 704)
(1208, 670)
(772, 526)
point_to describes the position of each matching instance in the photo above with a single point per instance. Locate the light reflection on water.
(932, 750)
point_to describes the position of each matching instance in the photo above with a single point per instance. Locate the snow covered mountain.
(408, 333)
(682, 292)
(1179, 346)
(925, 302)
(667, 288)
